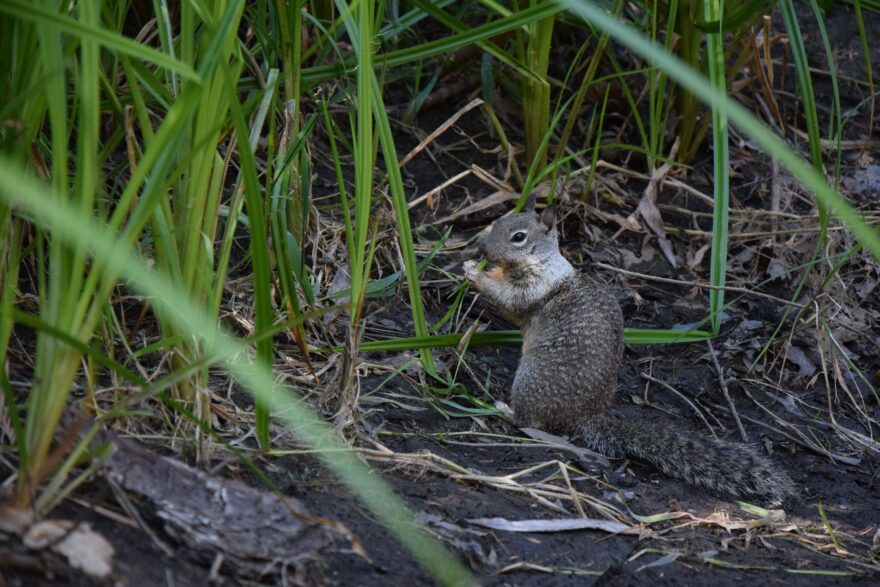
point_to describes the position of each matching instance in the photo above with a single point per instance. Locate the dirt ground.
(454, 470)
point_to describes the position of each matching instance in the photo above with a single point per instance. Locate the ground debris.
(256, 532)
(78, 544)
(555, 525)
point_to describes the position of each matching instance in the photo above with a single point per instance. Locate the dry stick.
(756, 235)
(775, 186)
(851, 145)
(571, 490)
(750, 214)
(123, 519)
(431, 193)
(545, 493)
(796, 435)
(440, 130)
(753, 215)
(741, 290)
(723, 382)
(683, 397)
(132, 512)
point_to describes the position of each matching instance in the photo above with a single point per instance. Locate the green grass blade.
(721, 168)
(259, 252)
(113, 41)
(739, 15)
(835, 124)
(401, 214)
(315, 75)
(866, 51)
(458, 26)
(805, 82)
(235, 205)
(514, 338)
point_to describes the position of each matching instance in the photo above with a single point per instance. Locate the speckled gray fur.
(572, 348)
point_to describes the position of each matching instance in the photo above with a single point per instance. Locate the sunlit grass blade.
(185, 226)
(536, 92)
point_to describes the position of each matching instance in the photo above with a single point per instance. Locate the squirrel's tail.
(719, 466)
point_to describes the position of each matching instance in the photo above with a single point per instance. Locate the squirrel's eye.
(518, 236)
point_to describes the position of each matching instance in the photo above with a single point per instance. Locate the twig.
(440, 130)
(683, 397)
(734, 289)
(723, 383)
(692, 232)
(796, 436)
(132, 512)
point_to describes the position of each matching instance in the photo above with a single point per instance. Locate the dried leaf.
(662, 561)
(83, 548)
(695, 259)
(558, 525)
(806, 367)
(648, 206)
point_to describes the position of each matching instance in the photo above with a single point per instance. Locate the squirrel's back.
(572, 347)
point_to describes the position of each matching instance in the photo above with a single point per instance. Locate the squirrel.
(572, 348)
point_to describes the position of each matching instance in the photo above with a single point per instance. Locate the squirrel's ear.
(548, 217)
(529, 206)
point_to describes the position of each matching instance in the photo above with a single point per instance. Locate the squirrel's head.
(524, 237)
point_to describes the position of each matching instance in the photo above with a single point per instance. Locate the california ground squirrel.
(572, 348)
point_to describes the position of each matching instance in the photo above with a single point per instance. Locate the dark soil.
(674, 552)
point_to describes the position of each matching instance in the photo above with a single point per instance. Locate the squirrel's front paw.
(471, 273)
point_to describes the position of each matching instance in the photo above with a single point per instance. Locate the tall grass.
(63, 292)
(736, 113)
(170, 209)
(139, 167)
(29, 196)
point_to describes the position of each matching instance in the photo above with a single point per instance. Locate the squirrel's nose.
(482, 247)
